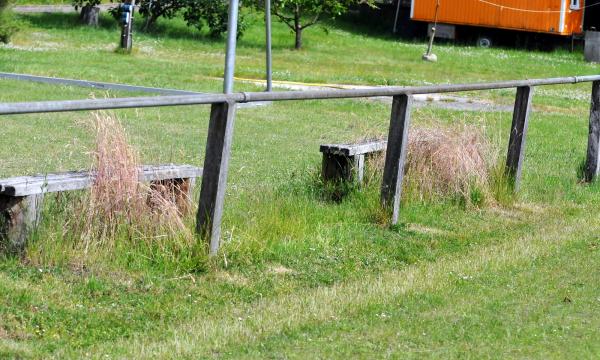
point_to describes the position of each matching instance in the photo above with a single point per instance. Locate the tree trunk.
(298, 45)
(89, 15)
(297, 29)
(150, 20)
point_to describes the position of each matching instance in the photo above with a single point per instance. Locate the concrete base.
(430, 57)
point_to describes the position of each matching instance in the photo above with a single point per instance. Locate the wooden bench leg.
(359, 168)
(337, 168)
(179, 191)
(19, 216)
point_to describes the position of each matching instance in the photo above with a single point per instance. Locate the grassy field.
(300, 276)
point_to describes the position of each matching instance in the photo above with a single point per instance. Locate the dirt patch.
(281, 270)
(418, 228)
(232, 278)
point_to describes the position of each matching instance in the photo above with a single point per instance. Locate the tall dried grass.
(120, 206)
(448, 162)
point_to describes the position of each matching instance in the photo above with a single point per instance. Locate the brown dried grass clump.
(119, 203)
(448, 162)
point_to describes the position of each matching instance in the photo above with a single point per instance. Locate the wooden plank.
(518, 135)
(77, 180)
(214, 180)
(354, 149)
(592, 163)
(166, 172)
(393, 173)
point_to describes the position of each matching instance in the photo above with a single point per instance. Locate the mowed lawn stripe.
(251, 324)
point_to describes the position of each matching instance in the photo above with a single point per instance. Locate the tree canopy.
(299, 15)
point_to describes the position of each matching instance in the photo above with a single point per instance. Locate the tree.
(197, 13)
(89, 11)
(152, 10)
(299, 15)
(212, 13)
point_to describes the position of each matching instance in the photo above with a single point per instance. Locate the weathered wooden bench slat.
(77, 180)
(354, 149)
(346, 162)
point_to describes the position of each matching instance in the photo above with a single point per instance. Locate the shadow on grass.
(65, 21)
(162, 29)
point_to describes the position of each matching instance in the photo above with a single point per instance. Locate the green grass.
(299, 276)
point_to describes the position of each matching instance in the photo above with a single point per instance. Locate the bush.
(8, 24)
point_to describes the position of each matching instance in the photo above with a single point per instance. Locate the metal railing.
(222, 119)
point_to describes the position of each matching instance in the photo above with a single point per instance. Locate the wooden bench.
(346, 162)
(21, 197)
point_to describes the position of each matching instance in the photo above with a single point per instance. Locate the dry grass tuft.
(118, 202)
(448, 162)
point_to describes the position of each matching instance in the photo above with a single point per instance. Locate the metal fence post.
(592, 163)
(269, 46)
(232, 31)
(518, 134)
(214, 178)
(393, 173)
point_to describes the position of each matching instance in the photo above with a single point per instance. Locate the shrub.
(8, 24)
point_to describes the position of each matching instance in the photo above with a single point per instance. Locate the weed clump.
(119, 205)
(456, 163)
(448, 162)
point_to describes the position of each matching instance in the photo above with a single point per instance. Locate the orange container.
(561, 17)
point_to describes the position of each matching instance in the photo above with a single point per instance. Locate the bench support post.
(337, 167)
(19, 216)
(178, 190)
(592, 163)
(359, 165)
(518, 134)
(395, 158)
(214, 178)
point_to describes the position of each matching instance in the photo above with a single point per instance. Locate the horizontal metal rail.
(93, 84)
(246, 97)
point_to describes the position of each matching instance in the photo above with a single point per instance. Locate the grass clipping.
(119, 205)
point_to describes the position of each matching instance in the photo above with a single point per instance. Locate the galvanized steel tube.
(156, 101)
(232, 27)
(269, 51)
